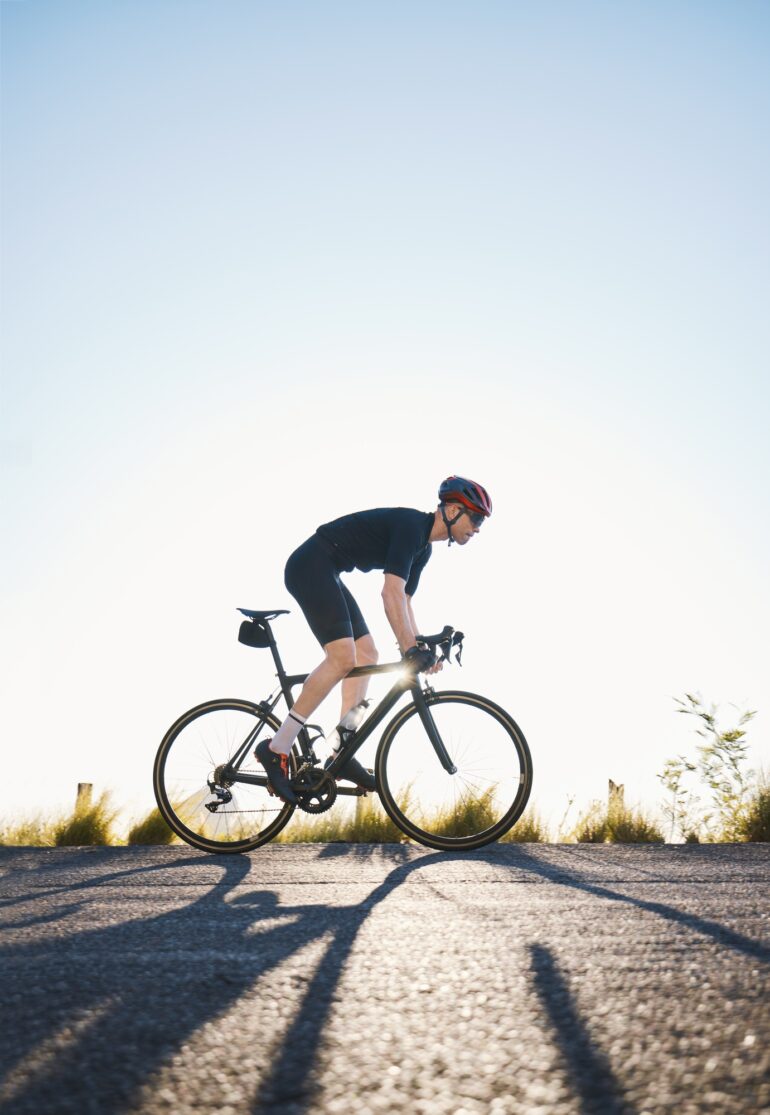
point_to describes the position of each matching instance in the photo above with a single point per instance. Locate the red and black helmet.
(456, 489)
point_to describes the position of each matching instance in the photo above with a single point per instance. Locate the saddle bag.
(253, 634)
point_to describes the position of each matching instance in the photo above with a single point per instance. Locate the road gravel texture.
(546, 980)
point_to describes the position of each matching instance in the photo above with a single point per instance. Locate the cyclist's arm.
(399, 611)
(410, 613)
(433, 669)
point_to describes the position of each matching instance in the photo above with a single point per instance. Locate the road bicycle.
(453, 770)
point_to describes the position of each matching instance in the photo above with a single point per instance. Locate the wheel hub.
(219, 777)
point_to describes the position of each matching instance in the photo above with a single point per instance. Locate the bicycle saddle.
(264, 615)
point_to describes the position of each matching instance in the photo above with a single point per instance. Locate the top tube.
(356, 672)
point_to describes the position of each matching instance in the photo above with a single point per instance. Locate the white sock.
(287, 733)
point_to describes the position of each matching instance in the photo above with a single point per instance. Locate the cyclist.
(397, 540)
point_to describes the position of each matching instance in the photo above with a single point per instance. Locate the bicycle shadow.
(136, 991)
(128, 996)
(722, 934)
(91, 974)
(52, 889)
(587, 1068)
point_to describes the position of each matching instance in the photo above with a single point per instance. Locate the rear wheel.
(198, 800)
(472, 807)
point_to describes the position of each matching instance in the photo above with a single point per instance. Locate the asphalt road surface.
(546, 980)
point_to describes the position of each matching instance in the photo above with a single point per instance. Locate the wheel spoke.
(482, 799)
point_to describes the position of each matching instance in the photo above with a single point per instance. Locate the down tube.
(433, 733)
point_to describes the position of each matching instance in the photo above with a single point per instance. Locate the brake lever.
(456, 640)
(451, 639)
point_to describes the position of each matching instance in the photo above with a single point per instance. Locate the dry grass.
(151, 829)
(32, 832)
(755, 824)
(369, 825)
(470, 814)
(529, 829)
(91, 822)
(618, 824)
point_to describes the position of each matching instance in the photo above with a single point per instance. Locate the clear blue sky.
(264, 264)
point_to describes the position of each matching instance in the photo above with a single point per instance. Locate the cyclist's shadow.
(91, 1017)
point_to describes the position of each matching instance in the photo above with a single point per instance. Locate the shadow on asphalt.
(720, 933)
(158, 979)
(588, 1070)
(144, 982)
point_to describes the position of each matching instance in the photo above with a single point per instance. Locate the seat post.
(278, 664)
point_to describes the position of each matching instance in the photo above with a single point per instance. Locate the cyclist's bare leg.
(354, 689)
(340, 660)
(341, 656)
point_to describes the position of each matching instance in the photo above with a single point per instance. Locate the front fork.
(429, 724)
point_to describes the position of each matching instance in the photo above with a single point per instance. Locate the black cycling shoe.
(277, 770)
(353, 771)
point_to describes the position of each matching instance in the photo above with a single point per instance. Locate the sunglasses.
(476, 517)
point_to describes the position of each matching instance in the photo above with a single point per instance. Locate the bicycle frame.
(407, 682)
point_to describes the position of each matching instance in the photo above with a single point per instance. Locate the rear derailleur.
(219, 787)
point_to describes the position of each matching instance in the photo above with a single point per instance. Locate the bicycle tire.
(449, 830)
(249, 716)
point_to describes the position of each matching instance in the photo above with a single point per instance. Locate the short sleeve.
(403, 549)
(419, 564)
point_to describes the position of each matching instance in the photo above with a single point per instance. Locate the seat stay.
(244, 748)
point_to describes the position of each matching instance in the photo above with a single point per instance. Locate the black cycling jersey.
(394, 539)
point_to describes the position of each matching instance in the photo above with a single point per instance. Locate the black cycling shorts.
(313, 579)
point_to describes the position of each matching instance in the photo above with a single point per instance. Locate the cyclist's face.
(467, 525)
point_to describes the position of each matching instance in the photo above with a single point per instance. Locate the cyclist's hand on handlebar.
(421, 660)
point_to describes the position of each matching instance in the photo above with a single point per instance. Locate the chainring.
(316, 790)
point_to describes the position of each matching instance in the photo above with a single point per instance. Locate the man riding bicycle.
(397, 540)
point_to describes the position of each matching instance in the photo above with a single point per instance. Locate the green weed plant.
(719, 764)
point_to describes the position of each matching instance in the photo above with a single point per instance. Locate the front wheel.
(196, 797)
(487, 793)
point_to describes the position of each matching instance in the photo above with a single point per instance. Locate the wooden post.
(83, 800)
(360, 807)
(614, 796)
